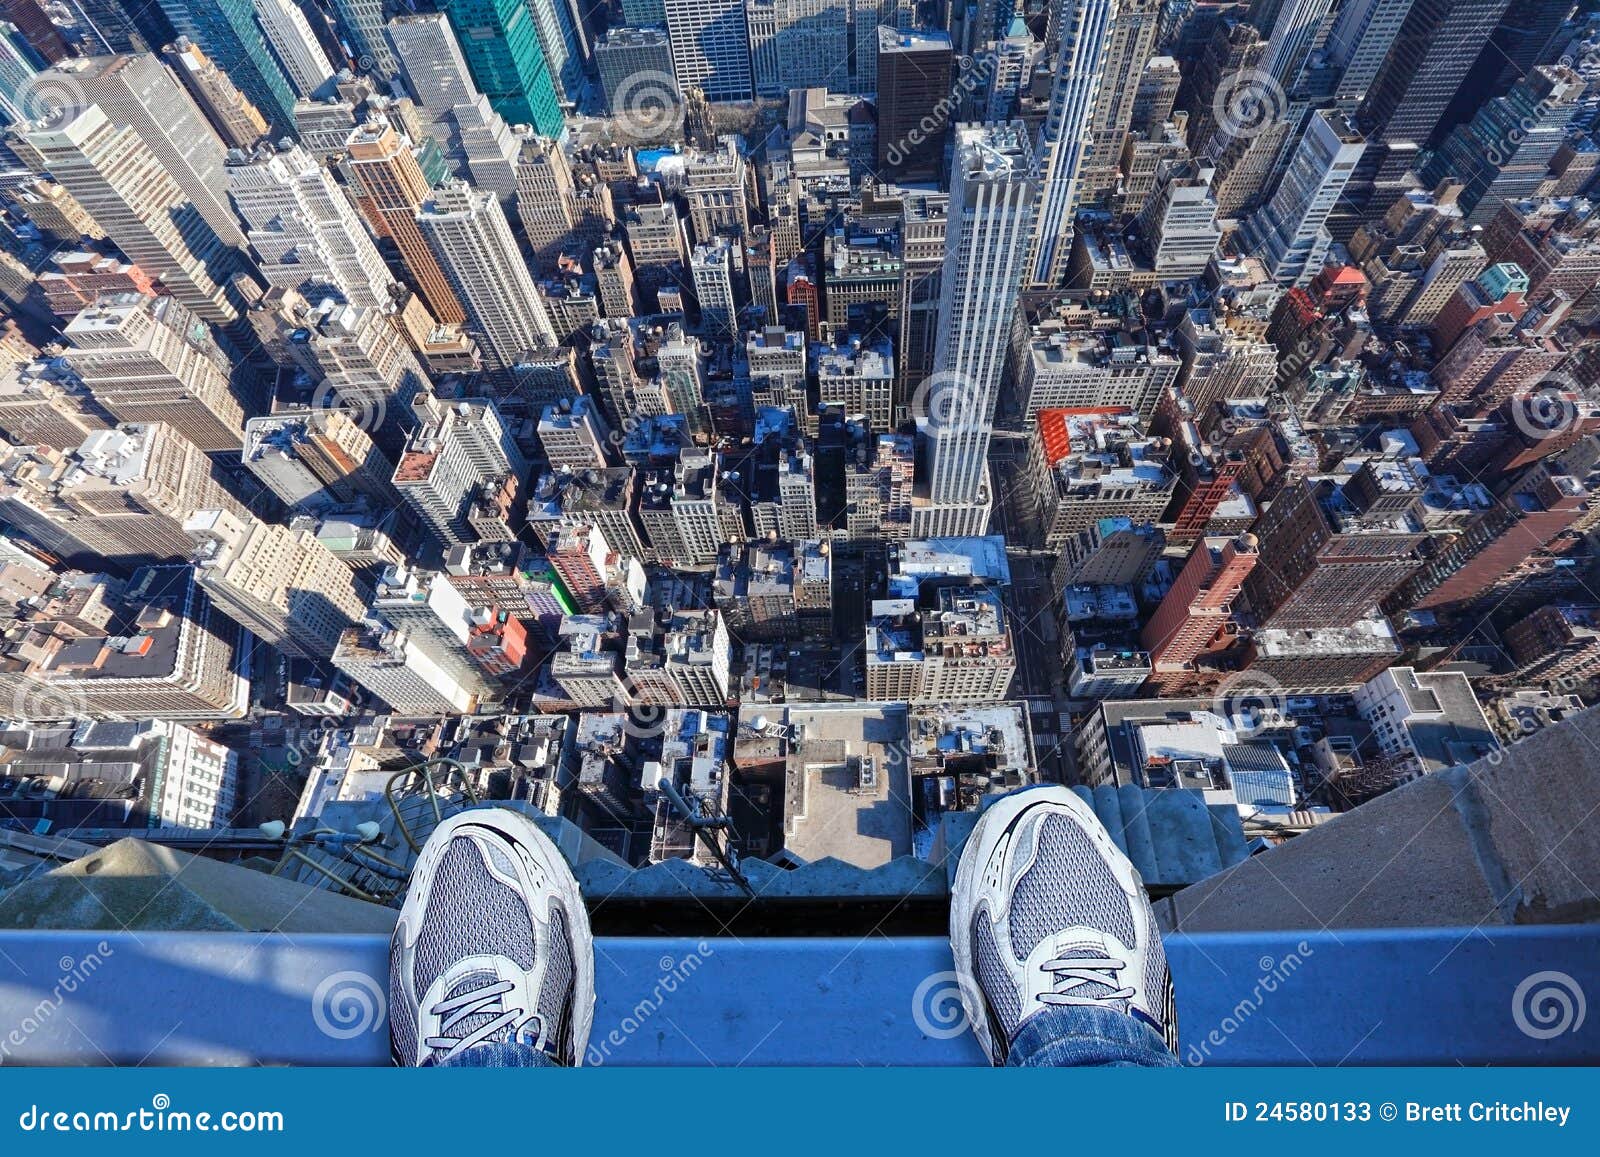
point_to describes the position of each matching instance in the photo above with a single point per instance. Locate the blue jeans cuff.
(1086, 1035)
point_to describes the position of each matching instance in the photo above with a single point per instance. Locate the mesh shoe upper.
(483, 951)
(1048, 911)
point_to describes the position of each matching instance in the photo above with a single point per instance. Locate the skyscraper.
(363, 362)
(430, 55)
(137, 92)
(1200, 604)
(316, 459)
(991, 213)
(1288, 233)
(1504, 153)
(625, 52)
(914, 77)
(122, 497)
(479, 257)
(229, 34)
(304, 229)
(809, 44)
(1431, 54)
(1360, 39)
(545, 201)
(562, 39)
(19, 64)
(435, 617)
(293, 45)
(710, 47)
(1130, 43)
(1084, 25)
(108, 29)
(1291, 39)
(1332, 552)
(238, 122)
(281, 585)
(362, 21)
(35, 29)
(456, 450)
(500, 41)
(124, 187)
(711, 265)
(146, 359)
(390, 190)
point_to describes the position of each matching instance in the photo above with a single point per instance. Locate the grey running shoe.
(1048, 911)
(492, 944)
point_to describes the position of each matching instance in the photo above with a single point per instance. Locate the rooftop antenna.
(703, 827)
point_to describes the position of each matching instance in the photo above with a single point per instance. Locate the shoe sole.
(518, 829)
(994, 824)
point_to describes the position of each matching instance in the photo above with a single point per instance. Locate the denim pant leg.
(1069, 1034)
(501, 1055)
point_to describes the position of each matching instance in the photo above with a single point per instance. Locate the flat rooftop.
(827, 813)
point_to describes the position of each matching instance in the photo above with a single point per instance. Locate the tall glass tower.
(227, 32)
(500, 40)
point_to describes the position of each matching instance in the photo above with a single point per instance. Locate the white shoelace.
(1074, 972)
(477, 1002)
